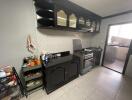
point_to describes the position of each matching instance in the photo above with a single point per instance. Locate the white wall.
(99, 39)
(17, 20)
(56, 40)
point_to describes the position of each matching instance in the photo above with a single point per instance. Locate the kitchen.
(18, 20)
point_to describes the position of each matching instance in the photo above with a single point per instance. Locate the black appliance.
(86, 60)
(89, 57)
(97, 52)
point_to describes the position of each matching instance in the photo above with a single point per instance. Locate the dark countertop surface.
(58, 60)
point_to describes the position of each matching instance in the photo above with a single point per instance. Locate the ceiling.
(105, 7)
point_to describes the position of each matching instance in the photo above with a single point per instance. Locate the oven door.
(88, 62)
(88, 56)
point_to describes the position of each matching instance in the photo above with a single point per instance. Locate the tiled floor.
(98, 84)
(117, 65)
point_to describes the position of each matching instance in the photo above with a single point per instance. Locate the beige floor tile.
(75, 94)
(99, 95)
(56, 94)
(124, 93)
(64, 97)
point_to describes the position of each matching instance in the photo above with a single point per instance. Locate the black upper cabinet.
(72, 21)
(63, 14)
(45, 13)
(45, 22)
(61, 18)
(44, 4)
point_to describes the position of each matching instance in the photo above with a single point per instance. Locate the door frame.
(127, 58)
(128, 54)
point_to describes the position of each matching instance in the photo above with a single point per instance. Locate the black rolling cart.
(32, 79)
(10, 85)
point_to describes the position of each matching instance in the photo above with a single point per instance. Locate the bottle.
(46, 59)
(43, 57)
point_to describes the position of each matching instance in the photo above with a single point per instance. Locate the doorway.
(117, 46)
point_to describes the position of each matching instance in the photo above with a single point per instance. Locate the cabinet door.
(72, 70)
(88, 23)
(72, 21)
(81, 22)
(61, 18)
(93, 26)
(55, 77)
(97, 26)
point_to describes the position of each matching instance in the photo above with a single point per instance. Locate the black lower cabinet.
(71, 71)
(54, 78)
(60, 74)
